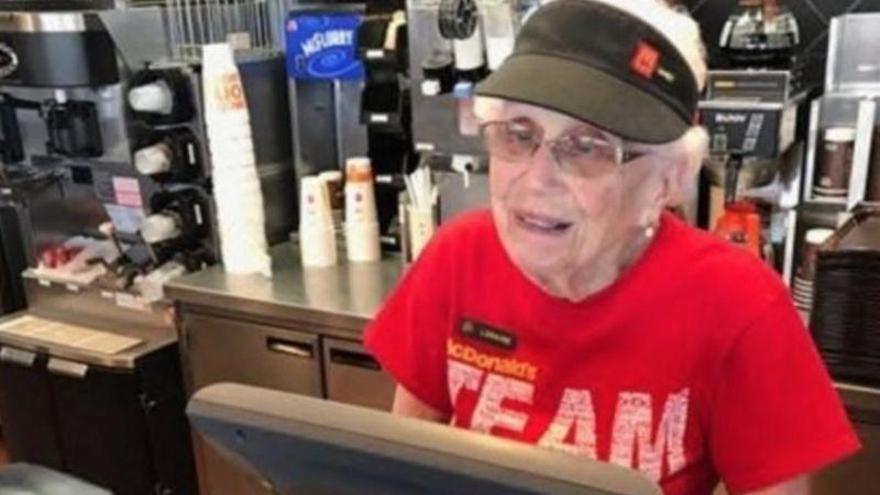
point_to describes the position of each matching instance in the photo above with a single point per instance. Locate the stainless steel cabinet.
(354, 377)
(228, 350)
(220, 349)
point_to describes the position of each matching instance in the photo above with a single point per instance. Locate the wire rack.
(252, 25)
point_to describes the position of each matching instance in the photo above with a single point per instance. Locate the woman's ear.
(681, 180)
(691, 150)
(664, 185)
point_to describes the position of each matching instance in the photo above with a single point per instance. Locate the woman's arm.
(795, 486)
(406, 404)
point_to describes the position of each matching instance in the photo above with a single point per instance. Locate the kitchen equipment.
(752, 118)
(851, 65)
(102, 124)
(760, 33)
(847, 298)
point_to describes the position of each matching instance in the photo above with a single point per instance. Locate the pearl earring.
(649, 228)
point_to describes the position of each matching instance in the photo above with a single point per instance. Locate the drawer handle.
(295, 349)
(17, 357)
(356, 359)
(67, 368)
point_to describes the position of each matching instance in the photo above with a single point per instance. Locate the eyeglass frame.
(622, 155)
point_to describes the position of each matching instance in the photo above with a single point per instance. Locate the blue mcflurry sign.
(323, 45)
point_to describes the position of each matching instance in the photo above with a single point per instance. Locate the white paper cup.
(233, 162)
(222, 135)
(314, 204)
(257, 263)
(360, 203)
(317, 246)
(226, 145)
(246, 222)
(236, 174)
(238, 187)
(362, 242)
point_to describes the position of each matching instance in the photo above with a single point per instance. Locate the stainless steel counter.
(345, 296)
(96, 309)
(152, 339)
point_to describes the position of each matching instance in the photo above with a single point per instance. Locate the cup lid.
(818, 236)
(358, 169)
(840, 134)
(331, 175)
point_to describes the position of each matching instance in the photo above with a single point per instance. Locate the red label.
(645, 60)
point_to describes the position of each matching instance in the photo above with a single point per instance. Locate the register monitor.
(304, 445)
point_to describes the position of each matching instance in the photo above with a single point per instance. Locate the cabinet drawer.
(225, 350)
(354, 377)
(103, 428)
(26, 405)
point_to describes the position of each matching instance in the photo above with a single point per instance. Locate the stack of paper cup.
(361, 224)
(316, 233)
(333, 180)
(805, 275)
(237, 192)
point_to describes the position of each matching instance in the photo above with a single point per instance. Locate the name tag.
(487, 334)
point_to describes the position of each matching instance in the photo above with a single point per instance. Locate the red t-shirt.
(693, 365)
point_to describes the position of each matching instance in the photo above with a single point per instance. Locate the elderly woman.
(577, 314)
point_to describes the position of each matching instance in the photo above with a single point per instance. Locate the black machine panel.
(59, 59)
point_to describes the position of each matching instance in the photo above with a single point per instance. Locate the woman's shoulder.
(724, 289)
(731, 270)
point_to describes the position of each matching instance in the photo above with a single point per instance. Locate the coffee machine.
(754, 109)
(75, 143)
(109, 125)
(44, 66)
(74, 208)
(760, 33)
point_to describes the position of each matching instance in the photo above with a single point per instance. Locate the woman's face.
(554, 222)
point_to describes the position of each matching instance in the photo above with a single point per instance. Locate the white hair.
(684, 33)
(689, 150)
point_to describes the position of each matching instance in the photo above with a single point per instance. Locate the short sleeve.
(775, 413)
(408, 335)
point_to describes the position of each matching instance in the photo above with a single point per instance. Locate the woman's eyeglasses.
(580, 153)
